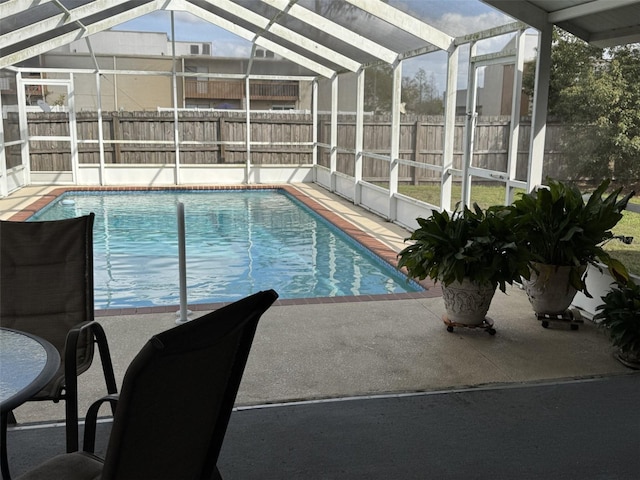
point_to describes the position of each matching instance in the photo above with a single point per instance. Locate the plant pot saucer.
(486, 325)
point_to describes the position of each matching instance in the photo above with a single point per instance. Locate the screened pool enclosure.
(358, 96)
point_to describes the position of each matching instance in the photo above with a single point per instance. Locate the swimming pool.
(237, 242)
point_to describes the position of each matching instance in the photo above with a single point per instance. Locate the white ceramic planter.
(548, 289)
(467, 302)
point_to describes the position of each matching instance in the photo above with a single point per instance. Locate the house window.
(195, 49)
(206, 49)
(283, 107)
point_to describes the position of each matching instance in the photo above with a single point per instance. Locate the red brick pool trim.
(373, 244)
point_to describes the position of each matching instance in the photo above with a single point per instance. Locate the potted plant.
(563, 234)
(620, 316)
(471, 252)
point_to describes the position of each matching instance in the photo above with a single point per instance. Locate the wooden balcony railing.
(234, 90)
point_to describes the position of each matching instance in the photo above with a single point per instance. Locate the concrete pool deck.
(362, 348)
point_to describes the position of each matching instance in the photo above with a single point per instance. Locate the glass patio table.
(27, 364)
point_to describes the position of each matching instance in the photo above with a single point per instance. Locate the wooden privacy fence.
(421, 140)
(276, 139)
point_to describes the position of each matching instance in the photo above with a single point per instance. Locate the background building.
(137, 56)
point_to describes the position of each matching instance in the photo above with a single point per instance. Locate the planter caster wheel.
(486, 325)
(571, 317)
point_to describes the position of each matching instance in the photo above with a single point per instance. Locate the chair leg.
(71, 422)
(71, 392)
(4, 460)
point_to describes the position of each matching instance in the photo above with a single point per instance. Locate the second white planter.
(549, 289)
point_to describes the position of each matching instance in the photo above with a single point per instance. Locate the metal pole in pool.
(182, 267)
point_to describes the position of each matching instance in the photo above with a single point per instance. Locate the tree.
(421, 95)
(378, 83)
(597, 93)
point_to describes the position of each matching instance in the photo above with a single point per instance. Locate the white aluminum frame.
(356, 188)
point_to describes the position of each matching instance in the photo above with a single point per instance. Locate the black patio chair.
(174, 406)
(46, 288)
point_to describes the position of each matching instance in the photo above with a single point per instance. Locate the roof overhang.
(603, 23)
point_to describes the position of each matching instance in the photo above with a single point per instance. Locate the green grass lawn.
(627, 254)
(485, 196)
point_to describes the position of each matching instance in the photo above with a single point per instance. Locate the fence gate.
(50, 148)
(478, 65)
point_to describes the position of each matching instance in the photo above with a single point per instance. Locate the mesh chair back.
(46, 284)
(178, 393)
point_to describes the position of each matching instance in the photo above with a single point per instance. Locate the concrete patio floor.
(304, 352)
(329, 350)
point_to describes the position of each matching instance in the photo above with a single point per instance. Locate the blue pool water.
(237, 243)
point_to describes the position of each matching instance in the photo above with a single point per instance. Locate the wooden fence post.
(115, 136)
(223, 149)
(416, 145)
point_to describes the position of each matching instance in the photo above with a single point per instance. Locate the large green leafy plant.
(470, 243)
(559, 227)
(620, 316)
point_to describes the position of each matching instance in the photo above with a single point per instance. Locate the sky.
(454, 17)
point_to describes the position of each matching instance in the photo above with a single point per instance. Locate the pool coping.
(353, 231)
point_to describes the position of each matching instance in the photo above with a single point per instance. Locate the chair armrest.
(71, 346)
(91, 420)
